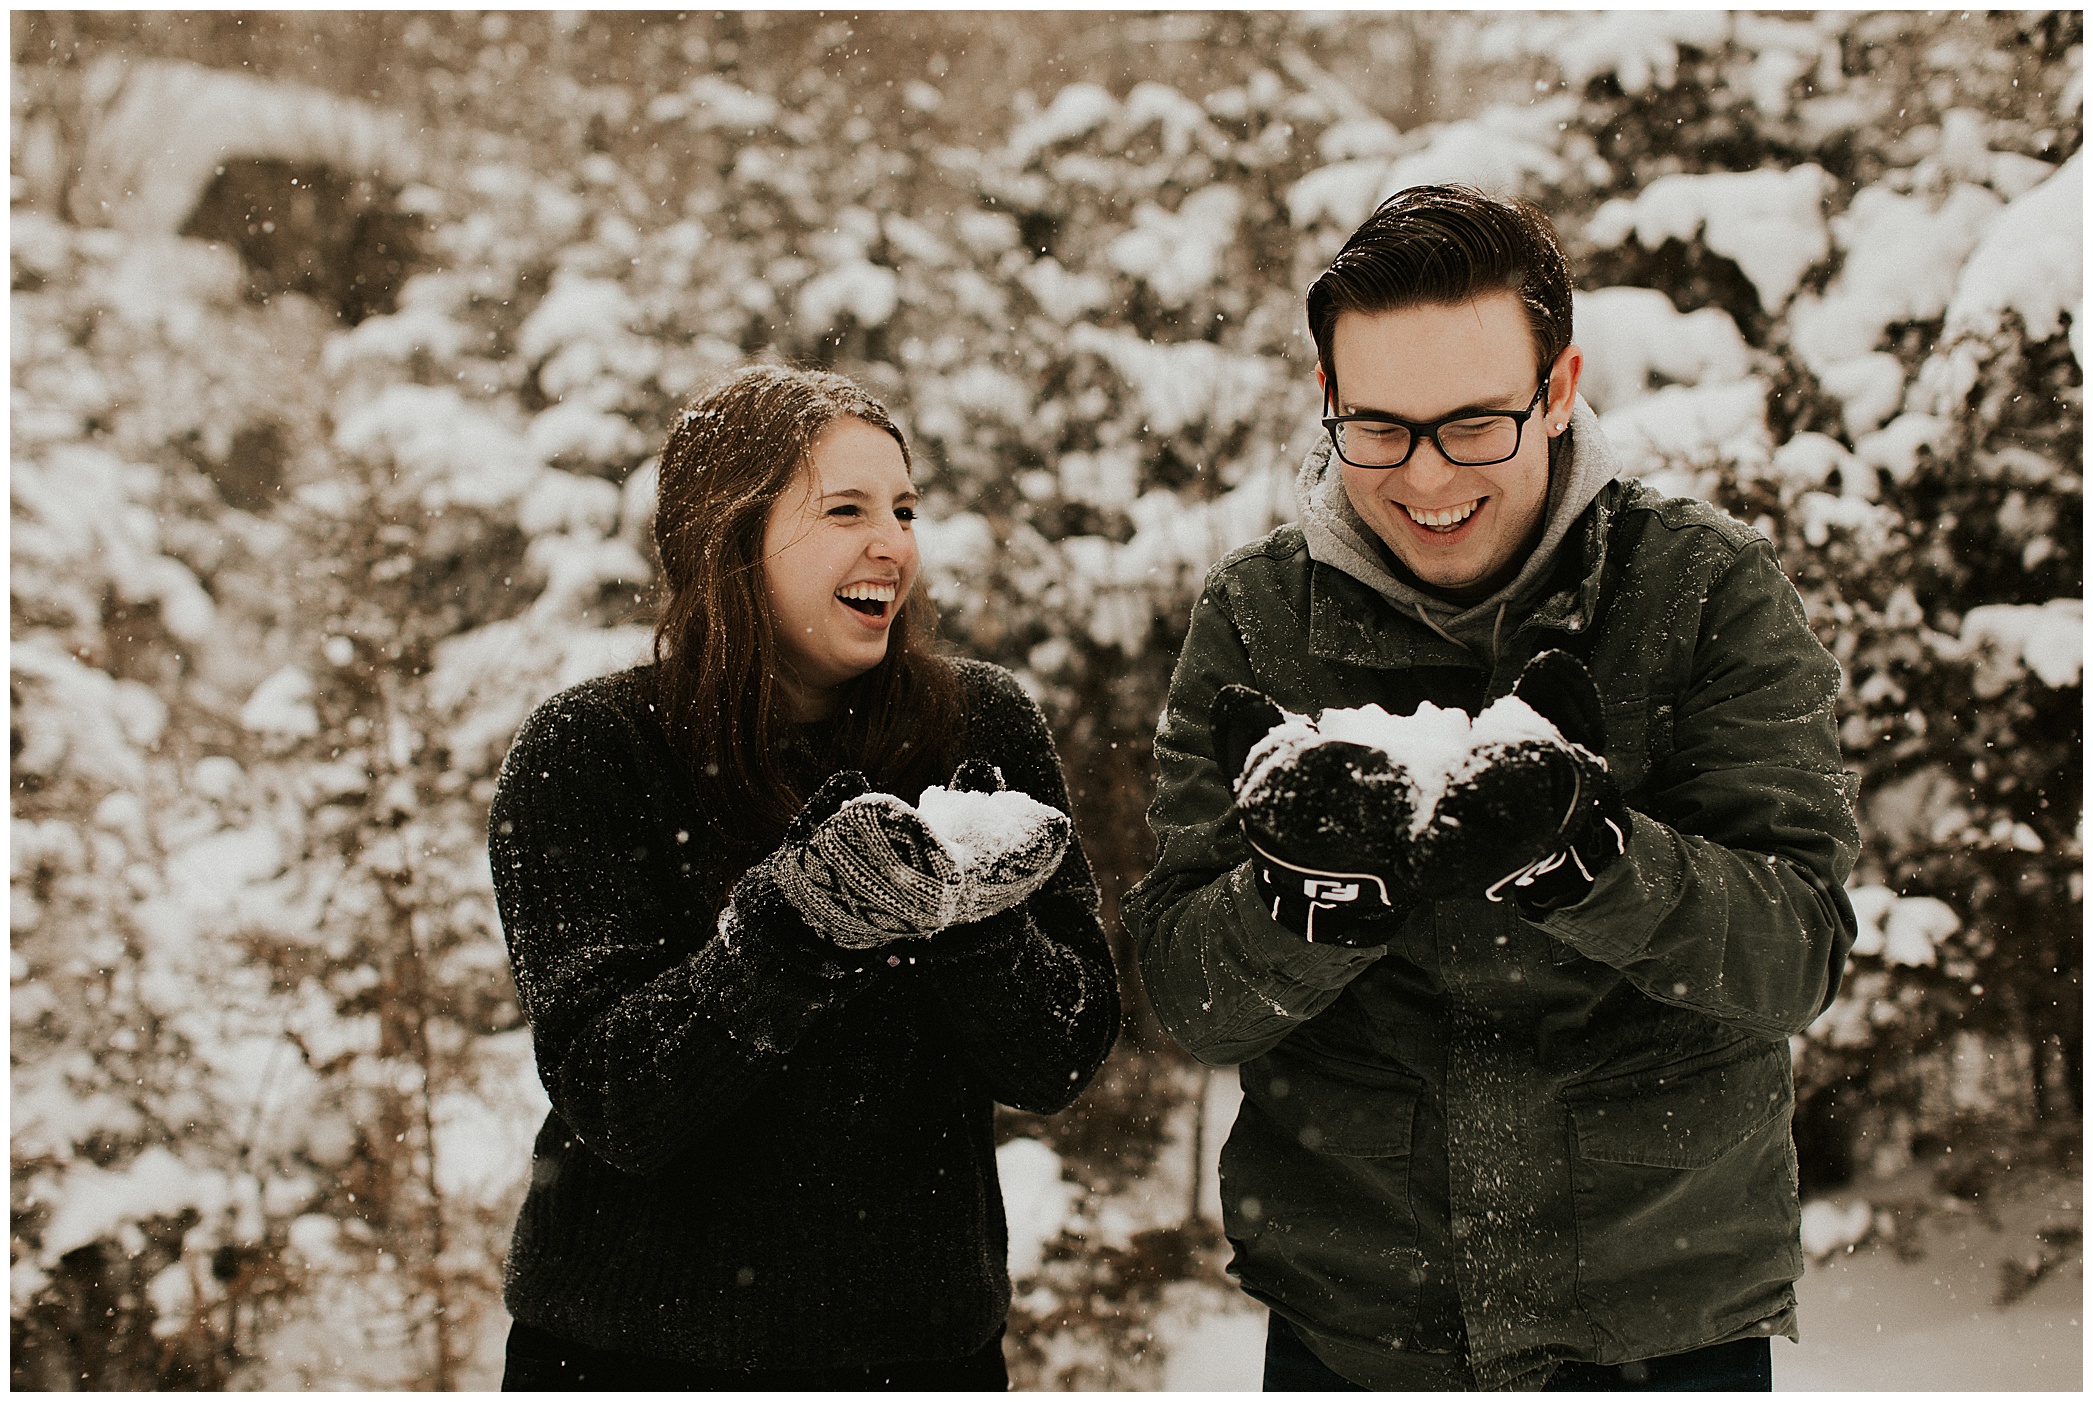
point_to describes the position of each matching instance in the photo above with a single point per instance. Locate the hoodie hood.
(1580, 464)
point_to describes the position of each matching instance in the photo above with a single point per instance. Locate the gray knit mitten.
(863, 869)
(1008, 844)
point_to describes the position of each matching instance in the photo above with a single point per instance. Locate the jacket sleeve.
(648, 1025)
(1030, 994)
(1730, 898)
(1227, 981)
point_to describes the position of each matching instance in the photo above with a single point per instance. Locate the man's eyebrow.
(1475, 406)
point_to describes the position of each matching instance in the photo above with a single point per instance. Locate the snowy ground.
(1922, 1314)
(1879, 1319)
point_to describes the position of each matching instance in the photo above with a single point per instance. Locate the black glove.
(976, 776)
(1539, 820)
(1321, 824)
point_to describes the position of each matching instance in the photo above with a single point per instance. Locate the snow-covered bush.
(151, 1188)
(281, 593)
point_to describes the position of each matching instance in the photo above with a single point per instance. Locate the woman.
(773, 1011)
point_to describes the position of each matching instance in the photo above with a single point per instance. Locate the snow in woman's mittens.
(1007, 843)
(871, 873)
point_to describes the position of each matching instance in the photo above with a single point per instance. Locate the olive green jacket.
(1501, 1143)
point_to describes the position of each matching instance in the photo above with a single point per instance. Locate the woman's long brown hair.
(733, 452)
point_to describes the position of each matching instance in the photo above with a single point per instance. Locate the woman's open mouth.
(871, 600)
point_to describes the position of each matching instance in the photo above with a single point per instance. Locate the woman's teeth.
(867, 598)
(1450, 516)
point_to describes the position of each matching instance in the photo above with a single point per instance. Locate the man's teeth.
(874, 593)
(1451, 515)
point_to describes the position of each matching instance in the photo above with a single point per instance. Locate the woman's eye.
(904, 513)
(843, 510)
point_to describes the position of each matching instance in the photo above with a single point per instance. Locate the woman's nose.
(891, 541)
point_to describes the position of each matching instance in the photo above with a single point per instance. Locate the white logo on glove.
(1330, 892)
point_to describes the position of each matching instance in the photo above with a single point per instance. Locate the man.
(1516, 1089)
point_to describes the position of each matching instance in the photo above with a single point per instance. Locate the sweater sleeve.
(1030, 994)
(1227, 981)
(649, 1025)
(1730, 898)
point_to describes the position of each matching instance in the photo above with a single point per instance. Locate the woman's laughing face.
(839, 559)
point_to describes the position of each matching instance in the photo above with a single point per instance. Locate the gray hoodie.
(1579, 464)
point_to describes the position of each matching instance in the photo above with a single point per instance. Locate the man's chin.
(1458, 582)
(1444, 572)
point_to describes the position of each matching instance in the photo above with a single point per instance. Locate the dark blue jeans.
(1743, 1365)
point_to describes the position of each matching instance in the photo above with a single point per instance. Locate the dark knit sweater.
(768, 1152)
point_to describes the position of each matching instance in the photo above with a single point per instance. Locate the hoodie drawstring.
(1427, 620)
(1496, 629)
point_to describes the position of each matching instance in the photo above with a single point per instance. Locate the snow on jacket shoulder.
(1542, 1140)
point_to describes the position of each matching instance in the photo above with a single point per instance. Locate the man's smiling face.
(1465, 530)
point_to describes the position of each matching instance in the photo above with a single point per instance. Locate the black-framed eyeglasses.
(1468, 439)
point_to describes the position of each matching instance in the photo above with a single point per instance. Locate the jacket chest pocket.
(1351, 1119)
(1633, 729)
(1680, 1118)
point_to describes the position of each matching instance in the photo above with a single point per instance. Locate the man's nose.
(1428, 468)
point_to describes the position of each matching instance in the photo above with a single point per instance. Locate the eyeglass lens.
(1479, 441)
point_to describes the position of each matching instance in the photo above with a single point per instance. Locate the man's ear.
(1562, 388)
(1322, 387)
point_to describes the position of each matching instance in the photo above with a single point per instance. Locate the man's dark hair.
(1442, 244)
